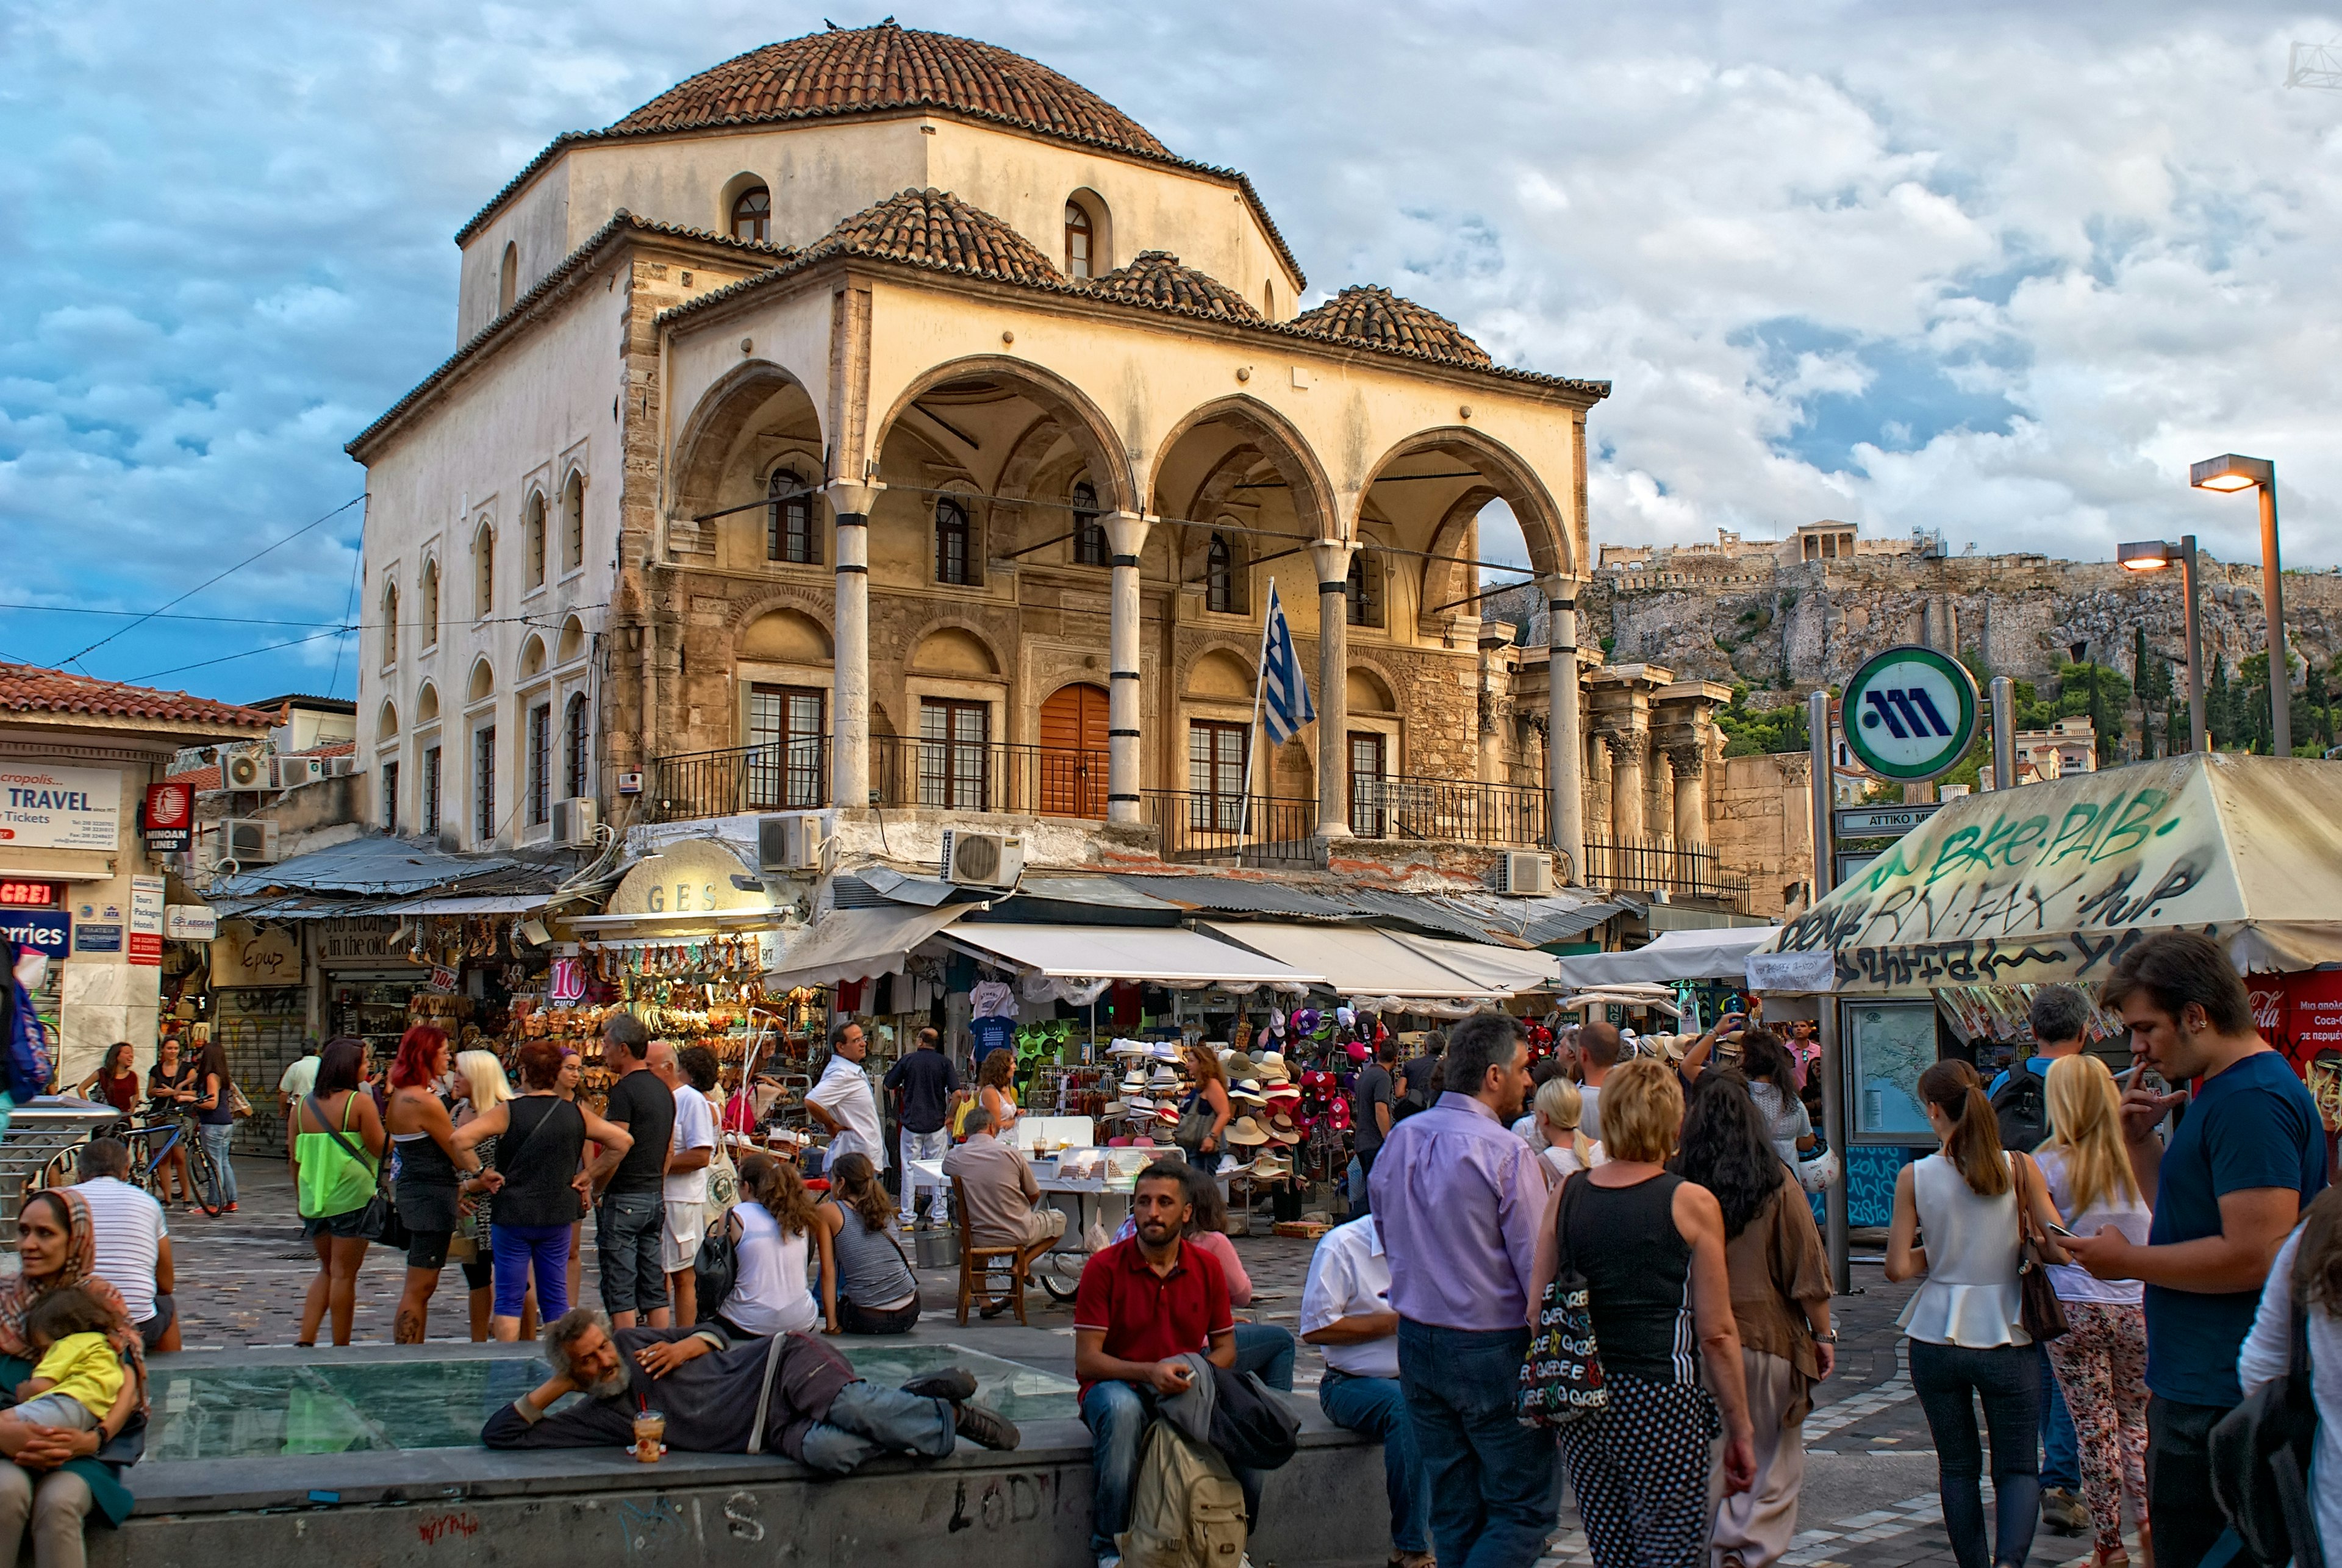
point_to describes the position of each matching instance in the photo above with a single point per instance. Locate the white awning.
(849, 945)
(1513, 969)
(1167, 955)
(1720, 955)
(1361, 960)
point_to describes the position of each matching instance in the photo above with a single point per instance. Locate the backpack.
(718, 1267)
(2022, 1108)
(1186, 1510)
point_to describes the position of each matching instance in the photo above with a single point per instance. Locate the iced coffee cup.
(650, 1436)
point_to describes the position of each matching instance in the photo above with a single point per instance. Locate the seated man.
(1346, 1308)
(1001, 1194)
(133, 1242)
(708, 1387)
(1142, 1303)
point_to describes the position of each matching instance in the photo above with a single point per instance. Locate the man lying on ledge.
(710, 1390)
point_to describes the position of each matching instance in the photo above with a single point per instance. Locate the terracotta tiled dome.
(870, 70)
(1376, 316)
(936, 229)
(1158, 277)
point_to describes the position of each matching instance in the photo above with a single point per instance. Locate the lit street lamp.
(2232, 472)
(2154, 556)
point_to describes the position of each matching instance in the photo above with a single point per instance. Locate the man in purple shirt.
(1460, 1198)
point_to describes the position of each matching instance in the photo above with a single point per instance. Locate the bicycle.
(150, 1159)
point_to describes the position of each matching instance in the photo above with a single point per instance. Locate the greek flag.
(1286, 706)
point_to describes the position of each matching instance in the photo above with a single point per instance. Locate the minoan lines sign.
(60, 808)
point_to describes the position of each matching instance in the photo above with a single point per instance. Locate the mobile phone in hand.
(2062, 1233)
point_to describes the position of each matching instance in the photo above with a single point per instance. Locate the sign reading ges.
(1910, 713)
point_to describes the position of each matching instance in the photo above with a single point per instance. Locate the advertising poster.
(60, 808)
(145, 920)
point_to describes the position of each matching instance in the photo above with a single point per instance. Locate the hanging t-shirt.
(992, 999)
(991, 1034)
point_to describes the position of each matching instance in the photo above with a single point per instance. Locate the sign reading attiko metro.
(1910, 713)
(1881, 821)
(60, 808)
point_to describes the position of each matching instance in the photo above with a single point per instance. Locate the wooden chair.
(976, 1264)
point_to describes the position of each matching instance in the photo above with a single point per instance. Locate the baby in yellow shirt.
(79, 1375)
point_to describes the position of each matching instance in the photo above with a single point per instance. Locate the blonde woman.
(481, 1086)
(1566, 1150)
(2101, 1360)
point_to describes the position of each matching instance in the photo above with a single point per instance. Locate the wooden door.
(1073, 753)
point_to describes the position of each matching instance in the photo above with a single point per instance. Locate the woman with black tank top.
(540, 1144)
(1651, 1247)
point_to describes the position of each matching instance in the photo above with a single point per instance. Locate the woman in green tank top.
(337, 1151)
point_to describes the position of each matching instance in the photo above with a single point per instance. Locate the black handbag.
(2260, 1453)
(718, 1268)
(1250, 1426)
(2040, 1311)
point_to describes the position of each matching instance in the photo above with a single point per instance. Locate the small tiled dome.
(883, 69)
(1160, 278)
(935, 229)
(1376, 316)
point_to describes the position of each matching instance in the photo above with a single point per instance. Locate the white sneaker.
(1113, 1562)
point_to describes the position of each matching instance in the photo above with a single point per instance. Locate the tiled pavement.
(1868, 1498)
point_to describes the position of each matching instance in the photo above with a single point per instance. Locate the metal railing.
(987, 776)
(1447, 811)
(1197, 825)
(782, 776)
(1658, 864)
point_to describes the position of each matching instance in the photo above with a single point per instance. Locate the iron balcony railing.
(1652, 864)
(782, 776)
(905, 771)
(1447, 811)
(1203, 825)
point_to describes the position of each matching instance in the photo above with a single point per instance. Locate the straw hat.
(1246, 1131)
(1163, 1077)
(1281, 1128)
(1248, 1091)
(1240, 1066)
(1269, 1167)
(1114, 1110)
(1271, 1068)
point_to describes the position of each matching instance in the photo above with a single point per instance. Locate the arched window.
(752, 216)
(1078, 236)
(428, 591)
(573, 523)
(508, 279)
(390, 626)
(1366, 605)
(483, 570)
(1089, 533)
(1268, 299)
(952, 555)
(574, 755)
(1219, 576)
(535, 544)
(788, 521)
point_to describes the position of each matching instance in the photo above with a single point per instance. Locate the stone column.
(1332, 559)
(1689, 759)
(1628, 818)
(1125, 535)
(1565, 744)
(850, 703)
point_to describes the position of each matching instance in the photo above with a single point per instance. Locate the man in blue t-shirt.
(2250, 1151)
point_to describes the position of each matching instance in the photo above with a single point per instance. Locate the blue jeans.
(1119, 1414)
(1950, 1380)
(866, 1419)
(1374, 1407)
(628, 1230)
(1266, 1349)
(515, 1248)
(2061, 1459)
(1492, 1481)
(215, 1137)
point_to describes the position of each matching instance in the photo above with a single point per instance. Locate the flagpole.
(1259, 684)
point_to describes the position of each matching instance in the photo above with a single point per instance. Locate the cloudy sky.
(2000, 270)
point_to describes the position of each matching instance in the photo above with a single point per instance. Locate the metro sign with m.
(1906, 710)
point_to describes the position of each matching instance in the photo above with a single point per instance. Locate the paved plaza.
(1869, 1498)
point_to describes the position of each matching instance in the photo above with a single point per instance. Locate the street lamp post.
(2232, 472)
(2155, 556)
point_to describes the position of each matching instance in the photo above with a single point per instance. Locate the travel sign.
(1910, 713)
(60, 808)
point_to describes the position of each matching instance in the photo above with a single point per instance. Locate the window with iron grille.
(390, 798)
(788, 522)
(484, 785)
(574, 753)
(1089, 533)
(952, 544)
(1215, 774)
(786, 752)
(540, 765)
(431, 789)
(1219, 576)
(1365, 606)
(953, 753)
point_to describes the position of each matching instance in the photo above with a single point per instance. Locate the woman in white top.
(2101, 1359)
(1965, 1323)
(1557, 1109)
(778, 1234)
(2309, 1269)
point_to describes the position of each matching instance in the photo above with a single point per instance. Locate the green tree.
(2219, 716)
(1749, 733)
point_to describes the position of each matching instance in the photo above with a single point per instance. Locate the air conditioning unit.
(291, 773)
(983, 859)
(248, 841)
(340, 767)
(246, 770)
(790, 841)
(1524, 874)
(574, 820)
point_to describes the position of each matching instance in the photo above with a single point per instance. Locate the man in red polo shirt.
(1142, 1302)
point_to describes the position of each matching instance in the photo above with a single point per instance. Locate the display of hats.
(1163, 1077)
(1139, 1105)
(1247, 1132)
(1271, 1067)
(1283, 1129)
(1240, 1066)
(1248, 1091)
(1114, 1110)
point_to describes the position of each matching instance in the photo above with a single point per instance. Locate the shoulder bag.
(718, 1268)
(381, 1214)
(2043, 1314)
(1561, 1375)
(1196, 1120)
(2260, 1452)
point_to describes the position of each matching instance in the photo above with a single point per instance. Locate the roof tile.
(933, 228)
(1160, 278)
(31, 689)
(1369, 314)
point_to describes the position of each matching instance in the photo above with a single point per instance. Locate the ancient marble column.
(1564, 780)
(1332, 559)
(1689, 760)
(850, 704)
(1628, 808)
(1125, 536)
